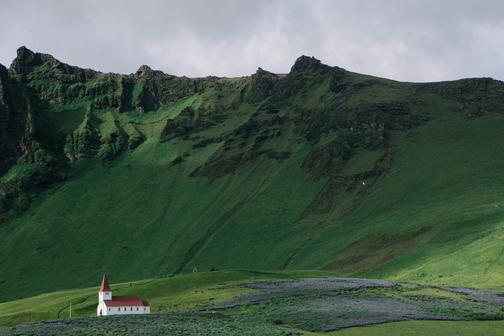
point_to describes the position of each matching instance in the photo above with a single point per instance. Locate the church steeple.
(104, 284)
(105, 292)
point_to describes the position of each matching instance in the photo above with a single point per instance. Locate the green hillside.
(165, 295)
(149, 174)
(424, 328)
(245, 302)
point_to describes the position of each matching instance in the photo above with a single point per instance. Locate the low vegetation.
(266, 303)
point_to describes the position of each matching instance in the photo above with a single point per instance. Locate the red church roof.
(127, 301)
(104, 284)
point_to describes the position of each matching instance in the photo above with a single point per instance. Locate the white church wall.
(127, 310)
(101, 310)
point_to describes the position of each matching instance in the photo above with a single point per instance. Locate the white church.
(118, 305)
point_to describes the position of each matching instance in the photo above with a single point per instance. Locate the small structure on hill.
(118, 305)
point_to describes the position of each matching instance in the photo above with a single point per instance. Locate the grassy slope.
(164, 294)
(457, 190)
(114, 213)
(446, 178)
(424, 328)
(191, 290)
(446, 174)
(140, 216)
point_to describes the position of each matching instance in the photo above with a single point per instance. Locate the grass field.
(202, 304)
(165, 294)
(425, 328)
(194, 325)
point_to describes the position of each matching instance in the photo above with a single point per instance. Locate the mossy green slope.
(181, 292)
(187, 297)
(424, 328)
(150, 174)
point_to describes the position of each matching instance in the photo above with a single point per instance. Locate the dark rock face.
(183, 125)
(323, 160)
(245, 145)
(16, 120)
(61, 83)
(19, 145)
(144, 72)
(8, 153)
(83, 143)
(305, 63)
(478, 96)
(262, 84)
(25, 60)
(150, 89)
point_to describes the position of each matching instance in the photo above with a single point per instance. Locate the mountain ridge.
(259, 69)
(152, 174)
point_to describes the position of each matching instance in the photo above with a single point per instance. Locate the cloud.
(414, 40)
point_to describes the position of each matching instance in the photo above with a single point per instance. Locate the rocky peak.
(24, 53)
(306, 63)
(263, 82)
(3, 71)
(24, 60)
(261, 74)
(3, 104)
(144, 71)
(27, 59)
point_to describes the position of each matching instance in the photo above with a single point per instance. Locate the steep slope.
(150, 174)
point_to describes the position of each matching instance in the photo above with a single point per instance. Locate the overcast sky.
(414, 40)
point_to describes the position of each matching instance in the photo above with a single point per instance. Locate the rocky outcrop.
(244, 145)
(16, 120)
(327, 159)
(84, 143)
(61, 83)
(307, 63)
(26, 164)
(262, 84)
(152, 89)
(5, 114)
(192, 120)
(25, 60)
(477, 96)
